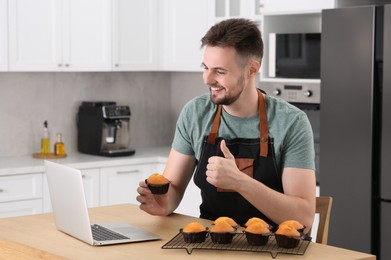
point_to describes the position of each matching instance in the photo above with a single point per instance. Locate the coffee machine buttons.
(115, 111)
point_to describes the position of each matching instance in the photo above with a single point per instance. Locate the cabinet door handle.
(127, 172)
(1, 190)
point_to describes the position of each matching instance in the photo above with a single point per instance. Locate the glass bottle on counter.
(45, 140)
(59, 147)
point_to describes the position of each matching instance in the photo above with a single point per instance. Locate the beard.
(226, 99)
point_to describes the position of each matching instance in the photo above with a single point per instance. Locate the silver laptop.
(71, 213)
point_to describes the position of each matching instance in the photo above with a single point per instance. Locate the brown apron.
(254, 157)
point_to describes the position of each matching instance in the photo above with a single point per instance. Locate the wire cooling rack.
(239, 243)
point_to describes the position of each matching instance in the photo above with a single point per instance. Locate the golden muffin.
(222, 233)
(293, 223)
(157, 183)
(287, 236)
(256, 220)
(258, 228)
(288, 231)
(228, 220)
(257, 233)
(194, 232)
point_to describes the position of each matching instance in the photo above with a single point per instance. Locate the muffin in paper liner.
(289, 233)
(194, 237)
(257, 239)
(222, 237)
(158, 188)
(287, 242)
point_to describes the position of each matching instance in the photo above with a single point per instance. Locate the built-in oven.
(304, 94)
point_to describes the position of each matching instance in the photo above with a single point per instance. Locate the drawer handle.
(1, 190)
(127, 172)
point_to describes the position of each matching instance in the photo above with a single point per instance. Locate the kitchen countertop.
(37, 234)
(28, 164)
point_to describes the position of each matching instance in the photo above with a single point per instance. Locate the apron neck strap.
(263, 129)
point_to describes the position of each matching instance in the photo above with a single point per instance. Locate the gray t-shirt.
(288, 125)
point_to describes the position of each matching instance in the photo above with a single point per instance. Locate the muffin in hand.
(157, 183)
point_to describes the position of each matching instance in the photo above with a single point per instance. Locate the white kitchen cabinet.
(119, 184)
(135, 35)
(91, 183)
(21, 194)
(20, 208)
(20, 187)
(159, 167)
(185, 23)
(3, 36)
(59, 35)
(297, 6)
(191, 201)
(225, 9)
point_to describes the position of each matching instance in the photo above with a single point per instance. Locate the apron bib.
(254, 157)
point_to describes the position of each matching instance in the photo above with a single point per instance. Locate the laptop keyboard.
(100, 233)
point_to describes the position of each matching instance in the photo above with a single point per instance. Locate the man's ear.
(254, 67)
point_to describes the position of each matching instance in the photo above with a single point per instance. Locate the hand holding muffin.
(153, 195)
(158, 184)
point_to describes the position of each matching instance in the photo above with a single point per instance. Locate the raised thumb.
(225, 150)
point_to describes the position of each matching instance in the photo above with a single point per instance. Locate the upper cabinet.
(162, 35)
(224, 9)
(135, 35)
(123, 35)
(185, 22)
(3, 36)
(59, 35)
(297, 6)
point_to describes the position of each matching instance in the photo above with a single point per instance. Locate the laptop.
(71, 213)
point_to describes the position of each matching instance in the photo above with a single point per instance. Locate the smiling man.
(251, 155)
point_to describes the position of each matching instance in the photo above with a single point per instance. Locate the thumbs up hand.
(222, 172)
(225, 150)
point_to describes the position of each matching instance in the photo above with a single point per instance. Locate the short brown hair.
(241, 34)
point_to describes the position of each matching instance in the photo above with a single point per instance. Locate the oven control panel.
(293, 92)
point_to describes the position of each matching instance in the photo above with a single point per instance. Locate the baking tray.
(239, 243)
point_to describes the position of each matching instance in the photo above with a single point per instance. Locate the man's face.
(222, 74)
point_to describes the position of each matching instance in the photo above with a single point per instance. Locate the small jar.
(59, 147)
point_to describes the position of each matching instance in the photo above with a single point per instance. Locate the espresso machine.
(103, 128)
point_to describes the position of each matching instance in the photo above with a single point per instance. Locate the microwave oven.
(294, 55)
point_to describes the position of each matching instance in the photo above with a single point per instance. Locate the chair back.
(323, 207)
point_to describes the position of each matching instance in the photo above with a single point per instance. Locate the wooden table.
(36, 237)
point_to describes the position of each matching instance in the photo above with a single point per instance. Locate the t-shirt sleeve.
(298, 151)
(182, 140)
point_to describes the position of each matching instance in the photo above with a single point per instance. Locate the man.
(253, 154)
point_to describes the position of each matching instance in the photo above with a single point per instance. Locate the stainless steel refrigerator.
(355, 126)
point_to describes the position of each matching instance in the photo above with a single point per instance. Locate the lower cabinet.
(191, 201)
(119, 184)
(21, 194)
(28, 193)
(91, 183)
(20, 208)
